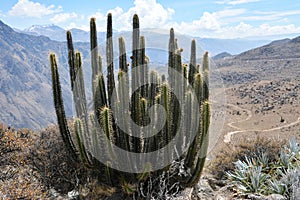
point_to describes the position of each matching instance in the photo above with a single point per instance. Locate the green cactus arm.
(60, 111)
(205, 71)
(80, 97)
(135, 41)
(123, 75)
(167, 130)
(123, 109)
(171, 58)
(165, 98)
(134, 71)
(192, 65)
(188, 117)
(198, 87)
(143, 65)
(110, 60)
(99, 90)
(94, 49)
(78, 129)
(99, 63)
(71, 58)
(159, 138)
(171, 63)
(194, 148)
(144, 120)
(107, 127)
(99, 97)
(122, 55)
(79, 88)
(203, 145)
(153, 88)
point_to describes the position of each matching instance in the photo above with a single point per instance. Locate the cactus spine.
(147, 89)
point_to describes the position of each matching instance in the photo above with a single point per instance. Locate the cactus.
(147, 89)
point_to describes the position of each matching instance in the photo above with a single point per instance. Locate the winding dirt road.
(227, 137)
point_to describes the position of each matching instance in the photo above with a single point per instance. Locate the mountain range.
(214, 46)
(25, 78)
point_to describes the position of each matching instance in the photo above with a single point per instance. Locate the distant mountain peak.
(222, 55)
(296, 40)
(277, 42)
(4, 28)
(35, 28)
(279, 49)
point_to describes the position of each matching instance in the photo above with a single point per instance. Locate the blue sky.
(210, 18)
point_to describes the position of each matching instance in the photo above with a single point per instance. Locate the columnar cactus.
(187, 115)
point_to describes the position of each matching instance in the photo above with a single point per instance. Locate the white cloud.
(264, 16)
(33, 9)
(74, 25)
(243, 30)
(232, 23)
(208, 22)
(246, 30)
(236, 2)
(63, 17)
(151, 15)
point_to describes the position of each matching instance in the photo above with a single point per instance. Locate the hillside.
(59, 34)
(25, 85)
(277, 60)
(280, 49)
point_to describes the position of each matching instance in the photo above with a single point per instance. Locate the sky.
(201, 18)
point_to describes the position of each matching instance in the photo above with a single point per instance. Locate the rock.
(256, 197)
(270, 197)
(203, 190)
(185, 194)
(275, 197)
(73, 195)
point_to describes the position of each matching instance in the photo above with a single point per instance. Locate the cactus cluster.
(126, 113)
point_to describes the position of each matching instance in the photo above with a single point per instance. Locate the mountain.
(279, 49)
(278, 60)
(232, 46)
(59, 34)
(54, 32)
(25, 78)
(221, 56)
(213, 45)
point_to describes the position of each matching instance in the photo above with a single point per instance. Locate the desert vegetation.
(184, 98)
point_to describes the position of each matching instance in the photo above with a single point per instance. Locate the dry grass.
(35, 165)
(17, 179)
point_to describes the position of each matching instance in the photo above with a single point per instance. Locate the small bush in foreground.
(261, 175)
(224, 161)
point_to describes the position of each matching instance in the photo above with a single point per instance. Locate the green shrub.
(259, 175)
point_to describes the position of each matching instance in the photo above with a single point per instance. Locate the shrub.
(261, 175)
